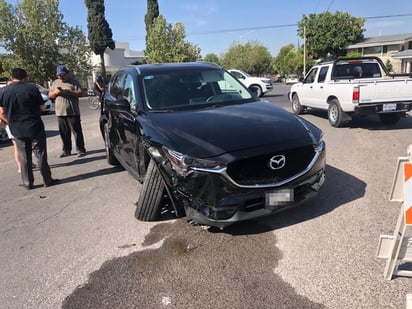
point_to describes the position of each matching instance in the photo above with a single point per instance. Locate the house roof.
(383, 40)
(403, 54)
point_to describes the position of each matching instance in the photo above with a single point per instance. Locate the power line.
(141, 37)
(388, 16)
(284, 26)
(330, 5)
(242, 29)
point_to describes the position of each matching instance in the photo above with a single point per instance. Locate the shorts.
(9, 132)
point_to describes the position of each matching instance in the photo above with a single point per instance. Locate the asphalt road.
(78, 245)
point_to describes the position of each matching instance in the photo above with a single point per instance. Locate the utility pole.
(304, 51)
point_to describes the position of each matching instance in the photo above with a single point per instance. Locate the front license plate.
(389, 107)
(279, 197)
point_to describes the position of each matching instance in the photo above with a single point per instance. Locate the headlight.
(184, 165)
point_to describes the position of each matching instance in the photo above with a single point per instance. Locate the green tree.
(281, 63)
(329, 34)
(30, 30)
(37, 39)
(166, 43)
(6, 61)
(100, 35)
(389, 65)
(251, 57)
(353, 54)
(152, 13)
(290, 60)
(235, 57)
(212, 58)
(76, 52)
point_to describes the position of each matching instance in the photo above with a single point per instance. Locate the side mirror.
(121, 105)
(301, 79)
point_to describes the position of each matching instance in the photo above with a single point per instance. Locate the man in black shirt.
(21, 105)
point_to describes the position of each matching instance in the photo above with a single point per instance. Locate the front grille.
(256, 170)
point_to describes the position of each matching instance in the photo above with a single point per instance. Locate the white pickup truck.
(261, 84)
(353, 85)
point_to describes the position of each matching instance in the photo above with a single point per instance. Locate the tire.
(335, 114)
(93, 102)
(111, 159)
(296, 106)
(259, 91)
(390, 118)
(151, 196)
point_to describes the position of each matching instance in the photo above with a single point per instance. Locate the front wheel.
(151, 196)
(296, 106)
(258, 90)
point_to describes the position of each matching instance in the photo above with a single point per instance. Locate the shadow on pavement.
(90, 157)
(330, 197)
(370, 122)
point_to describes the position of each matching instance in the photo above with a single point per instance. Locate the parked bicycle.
(94, 102)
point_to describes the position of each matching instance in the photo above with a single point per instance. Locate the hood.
(216, 131)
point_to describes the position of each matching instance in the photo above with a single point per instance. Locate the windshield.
(192, 89)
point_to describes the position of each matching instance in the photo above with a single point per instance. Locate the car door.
(318, 93)
(115, 121)
(131, 134)
(307, 88)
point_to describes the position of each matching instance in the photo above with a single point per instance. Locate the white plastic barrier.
(397, 248)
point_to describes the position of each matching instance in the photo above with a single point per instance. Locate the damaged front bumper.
(214, 199)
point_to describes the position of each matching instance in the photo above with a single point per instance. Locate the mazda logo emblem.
(277, 162)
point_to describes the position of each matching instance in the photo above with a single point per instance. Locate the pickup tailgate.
(385, 91)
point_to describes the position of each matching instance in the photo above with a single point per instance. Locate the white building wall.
(114, 60)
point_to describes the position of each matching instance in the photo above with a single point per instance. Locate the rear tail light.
(355, 95)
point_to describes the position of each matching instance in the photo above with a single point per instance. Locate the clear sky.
(214, 25)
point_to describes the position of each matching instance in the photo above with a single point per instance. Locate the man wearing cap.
(66, 92)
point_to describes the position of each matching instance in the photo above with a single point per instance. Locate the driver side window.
(310, 78)
(128, 92)
(116, 87)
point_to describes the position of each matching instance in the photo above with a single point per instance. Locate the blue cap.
(61, 70)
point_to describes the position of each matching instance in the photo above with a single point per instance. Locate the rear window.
(322, 74)
(354, 70)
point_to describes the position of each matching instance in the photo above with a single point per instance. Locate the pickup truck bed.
(353, 85)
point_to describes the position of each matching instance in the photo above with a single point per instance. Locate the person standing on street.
(16, 152)
(21, 105)
(66, 91)
(99, 87)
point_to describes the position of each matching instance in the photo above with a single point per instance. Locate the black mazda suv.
(192, 133)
